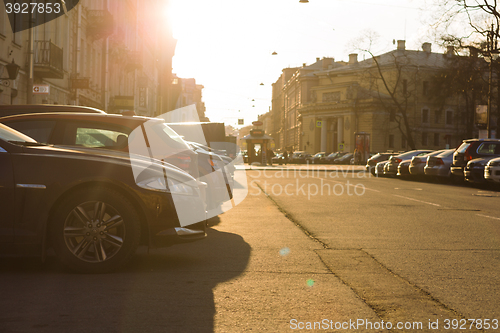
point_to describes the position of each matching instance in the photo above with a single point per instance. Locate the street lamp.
(491, 55)
(12, 71)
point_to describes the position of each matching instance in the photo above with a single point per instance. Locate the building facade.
(110, 54)
(388, 97)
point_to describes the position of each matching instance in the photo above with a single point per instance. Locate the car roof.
(7, 110)
(480, 140)
(132, 121)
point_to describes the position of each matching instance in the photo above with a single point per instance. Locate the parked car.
(404, 168)
(90, 207)
(8, 110)
(316, 158)
(372, 161)
(492, 171)
(379, 168)
(391, 167)
(332, 157)
(278, 159)
(439, 165)
(418, 163)
(299, 157)
(474, 170)
(106, 131)
(111, 132)
(471, 149)
(344, 159)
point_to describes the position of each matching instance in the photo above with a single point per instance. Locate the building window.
(391, 140)
(425, 88)
(424, 139)
(425, 115)
(437, 116)
(449, 117)
(436, 139)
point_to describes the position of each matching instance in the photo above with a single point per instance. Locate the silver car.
(439, 165)
(418, 163)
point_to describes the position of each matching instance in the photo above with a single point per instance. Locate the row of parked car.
(474, 161)
(94, 186)
(302, 157)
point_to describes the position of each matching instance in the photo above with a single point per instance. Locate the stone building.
(110, 54)
(387, 97)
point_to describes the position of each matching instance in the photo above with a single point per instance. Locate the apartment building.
(115, 55)
(388, 97)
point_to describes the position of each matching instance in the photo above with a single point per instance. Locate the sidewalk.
(285, 279)
(305, 167)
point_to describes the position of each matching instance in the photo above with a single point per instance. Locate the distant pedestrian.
(285, 157)
(270, 155)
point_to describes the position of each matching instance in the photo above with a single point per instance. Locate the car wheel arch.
(88, 186)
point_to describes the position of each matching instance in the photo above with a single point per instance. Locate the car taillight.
(439, 161)
(397, 160)
(467, 156)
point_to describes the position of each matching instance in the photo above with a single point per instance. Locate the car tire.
(95, 230)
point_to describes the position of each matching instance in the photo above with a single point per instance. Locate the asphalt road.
(371, 250)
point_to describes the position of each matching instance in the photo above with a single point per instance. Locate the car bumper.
(179, 219)
(404, 171)
(177, 235)
(457, 171)
(437, 171)
(417, 170)
(475, 175)
(391, 169)
(492, 174)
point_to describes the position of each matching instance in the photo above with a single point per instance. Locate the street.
(305, 250)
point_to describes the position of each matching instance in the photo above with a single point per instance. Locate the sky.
(227, 45)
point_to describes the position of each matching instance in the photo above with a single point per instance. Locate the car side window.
(39, 130)
(90, 136)
(489, 148)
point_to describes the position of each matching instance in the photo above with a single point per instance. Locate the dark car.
(372, 161)
(472, 149)
(344, 159)
(278, 159)
(474, 170)
(92, 209)
(106, 131)
(331, 157)
(316, 158)
(404, 168)
(8, 110)
(117, 132)
(298, 157)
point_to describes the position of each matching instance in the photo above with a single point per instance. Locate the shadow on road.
(168, 290)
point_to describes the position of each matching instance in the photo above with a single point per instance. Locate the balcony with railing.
(48, 60)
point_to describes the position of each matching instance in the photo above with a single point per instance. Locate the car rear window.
(40, 130)
(446, 153)
(463, 147)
